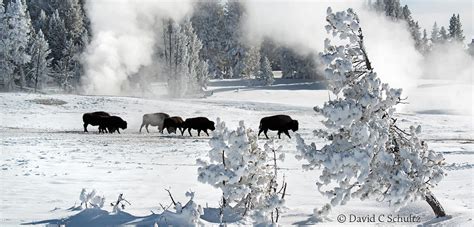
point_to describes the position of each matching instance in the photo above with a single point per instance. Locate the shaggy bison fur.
(112, 124)
(198, 123)
(93, 119)
(173, 123)
(280, 123)
(154, 119)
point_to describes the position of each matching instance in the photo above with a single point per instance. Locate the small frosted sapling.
(90, 199)
(119, 204)
(244, 172)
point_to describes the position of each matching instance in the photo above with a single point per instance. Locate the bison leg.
(118, 131)
(146, 127)
(265, 132)
(279, 134)
(181, 130)
(260, 131)
(199, 132)
(287, 133)
(160, 128)
(141, 127)
(206, 132)
(189, 131)
(85, 127)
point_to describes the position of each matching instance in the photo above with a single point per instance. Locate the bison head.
(294, 125)
(123, 125)
(211, 125)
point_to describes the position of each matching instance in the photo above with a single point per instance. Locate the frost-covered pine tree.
(208, 23)
(186, 70)
(266, 74)
(40, 65)
(288, 63)
(455, 28)
(15, 34)
(196, 66)
(234, 48)
(176, 58)
(443, 35)
(56, 37)
(73, 20)
(368, 155)
(435, 34)
(252, 62)
(6, 68)
(470, 49)
(243, 172)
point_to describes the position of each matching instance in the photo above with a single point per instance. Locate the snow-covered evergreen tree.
(435, 34)
(176, 58)
(455, 28)
(471, 48)
(243, 172)
(56, 37)
(208, 23)
(266, 73)
(187, 72)
(6, 68)
(15, 34)
(288, 63)
(425, 46)
(368, 155)
(74, 20)
(197, 67)
(66, 69)
(40, 65)
(251, 61)
(443, 35)
(235, 50)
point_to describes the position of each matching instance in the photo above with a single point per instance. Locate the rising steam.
(124, 35)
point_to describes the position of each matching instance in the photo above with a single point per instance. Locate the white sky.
(426, 12)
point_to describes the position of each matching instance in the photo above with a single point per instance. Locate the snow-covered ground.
(46, 158)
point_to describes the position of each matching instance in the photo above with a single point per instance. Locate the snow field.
(47, 159)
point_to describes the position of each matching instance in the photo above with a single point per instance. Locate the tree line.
(424, 43)
(42, 42)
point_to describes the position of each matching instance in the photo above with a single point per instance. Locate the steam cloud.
(124, 35)
(300, 25)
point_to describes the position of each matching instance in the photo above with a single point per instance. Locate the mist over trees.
(214, 30)
(439, 34)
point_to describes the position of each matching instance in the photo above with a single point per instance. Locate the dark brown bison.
(154, 119)
(173, 123)
(198, 123)
(280, 123)
(112, 124)
(93, 119)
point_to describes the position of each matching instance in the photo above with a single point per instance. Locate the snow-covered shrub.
(265, 75)
(368, 156)
(90, 198)
(119, 205)
(242, 171)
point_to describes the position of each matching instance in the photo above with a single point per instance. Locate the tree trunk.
(435, 205)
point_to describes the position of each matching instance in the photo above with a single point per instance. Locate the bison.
(93, 119)
(173, 123)
(198, 123)
(154, 119)
(112, 124)
(280, 123)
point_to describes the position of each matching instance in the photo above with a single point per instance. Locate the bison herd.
(110, 124)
